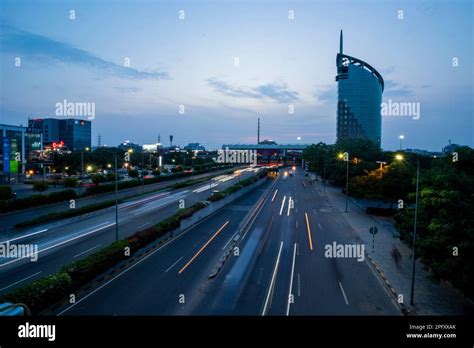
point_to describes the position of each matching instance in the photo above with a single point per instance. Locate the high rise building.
(75, 133)
(359, 89)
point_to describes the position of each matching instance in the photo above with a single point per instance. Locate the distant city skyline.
(227, 64)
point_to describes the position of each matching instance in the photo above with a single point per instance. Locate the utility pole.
(258, 131)
(414, 232)
(116, 200)
(143, 172)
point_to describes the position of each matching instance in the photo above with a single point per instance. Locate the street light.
(116, 193)
(345, 156)
(401, 137)
(400, 157)
(82, 163)
(414, 231)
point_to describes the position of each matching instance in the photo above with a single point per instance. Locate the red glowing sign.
(59, 145)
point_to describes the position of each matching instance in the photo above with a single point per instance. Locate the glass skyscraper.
(360, 89)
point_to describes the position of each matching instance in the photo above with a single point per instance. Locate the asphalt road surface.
(61, 242)
(282, 266)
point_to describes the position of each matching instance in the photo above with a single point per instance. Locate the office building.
(359, 89)
(75, 133)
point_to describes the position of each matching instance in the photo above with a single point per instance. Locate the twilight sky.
(191, 62)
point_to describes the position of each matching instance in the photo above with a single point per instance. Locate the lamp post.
(401, 137)
(116, 199)
(399, 157)
(143, 172)
(82, 164)
(345, 156)
(414, 232)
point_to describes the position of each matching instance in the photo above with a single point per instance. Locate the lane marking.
(320, 227)
(343, 293)
(86, 251)
(19, 281)
(25, 236)
(309, 232)
(61, 243)
(290, 202)
(143, 225)
(291, 281)
(203, 247)
(272, 283)
(274, 195)
(174, 264)
(282, 204)
(122, 273)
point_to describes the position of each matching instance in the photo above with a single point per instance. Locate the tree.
(6, 192)
(40, 186)
(445, 226)
(133, 173)
(97, 179)
(70, 182)
(110, 176)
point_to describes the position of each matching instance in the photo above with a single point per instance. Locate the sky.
(184, 54)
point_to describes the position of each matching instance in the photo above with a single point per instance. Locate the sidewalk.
(429, 298)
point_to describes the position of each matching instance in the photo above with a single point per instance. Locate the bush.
(110, 177)
(97, 179)
(82, 271)
(70, 182)
(5, 192)
(40, 186)
(42, 293)
(36, 200)
(60, 196)
(65, 214)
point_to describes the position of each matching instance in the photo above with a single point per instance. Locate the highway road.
(281, 268)
(8, 220)
(286, 271)
(61, 242)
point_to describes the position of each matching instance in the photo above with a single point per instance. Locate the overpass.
(272, 152)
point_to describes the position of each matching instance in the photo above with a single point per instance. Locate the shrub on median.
(40, 186)
(42, 293)
(37, 200)
(85, 270)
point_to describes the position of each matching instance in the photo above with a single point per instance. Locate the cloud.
(395, 90)
(328, 95)
(128, 89)
(23, 43)
(278, 92)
